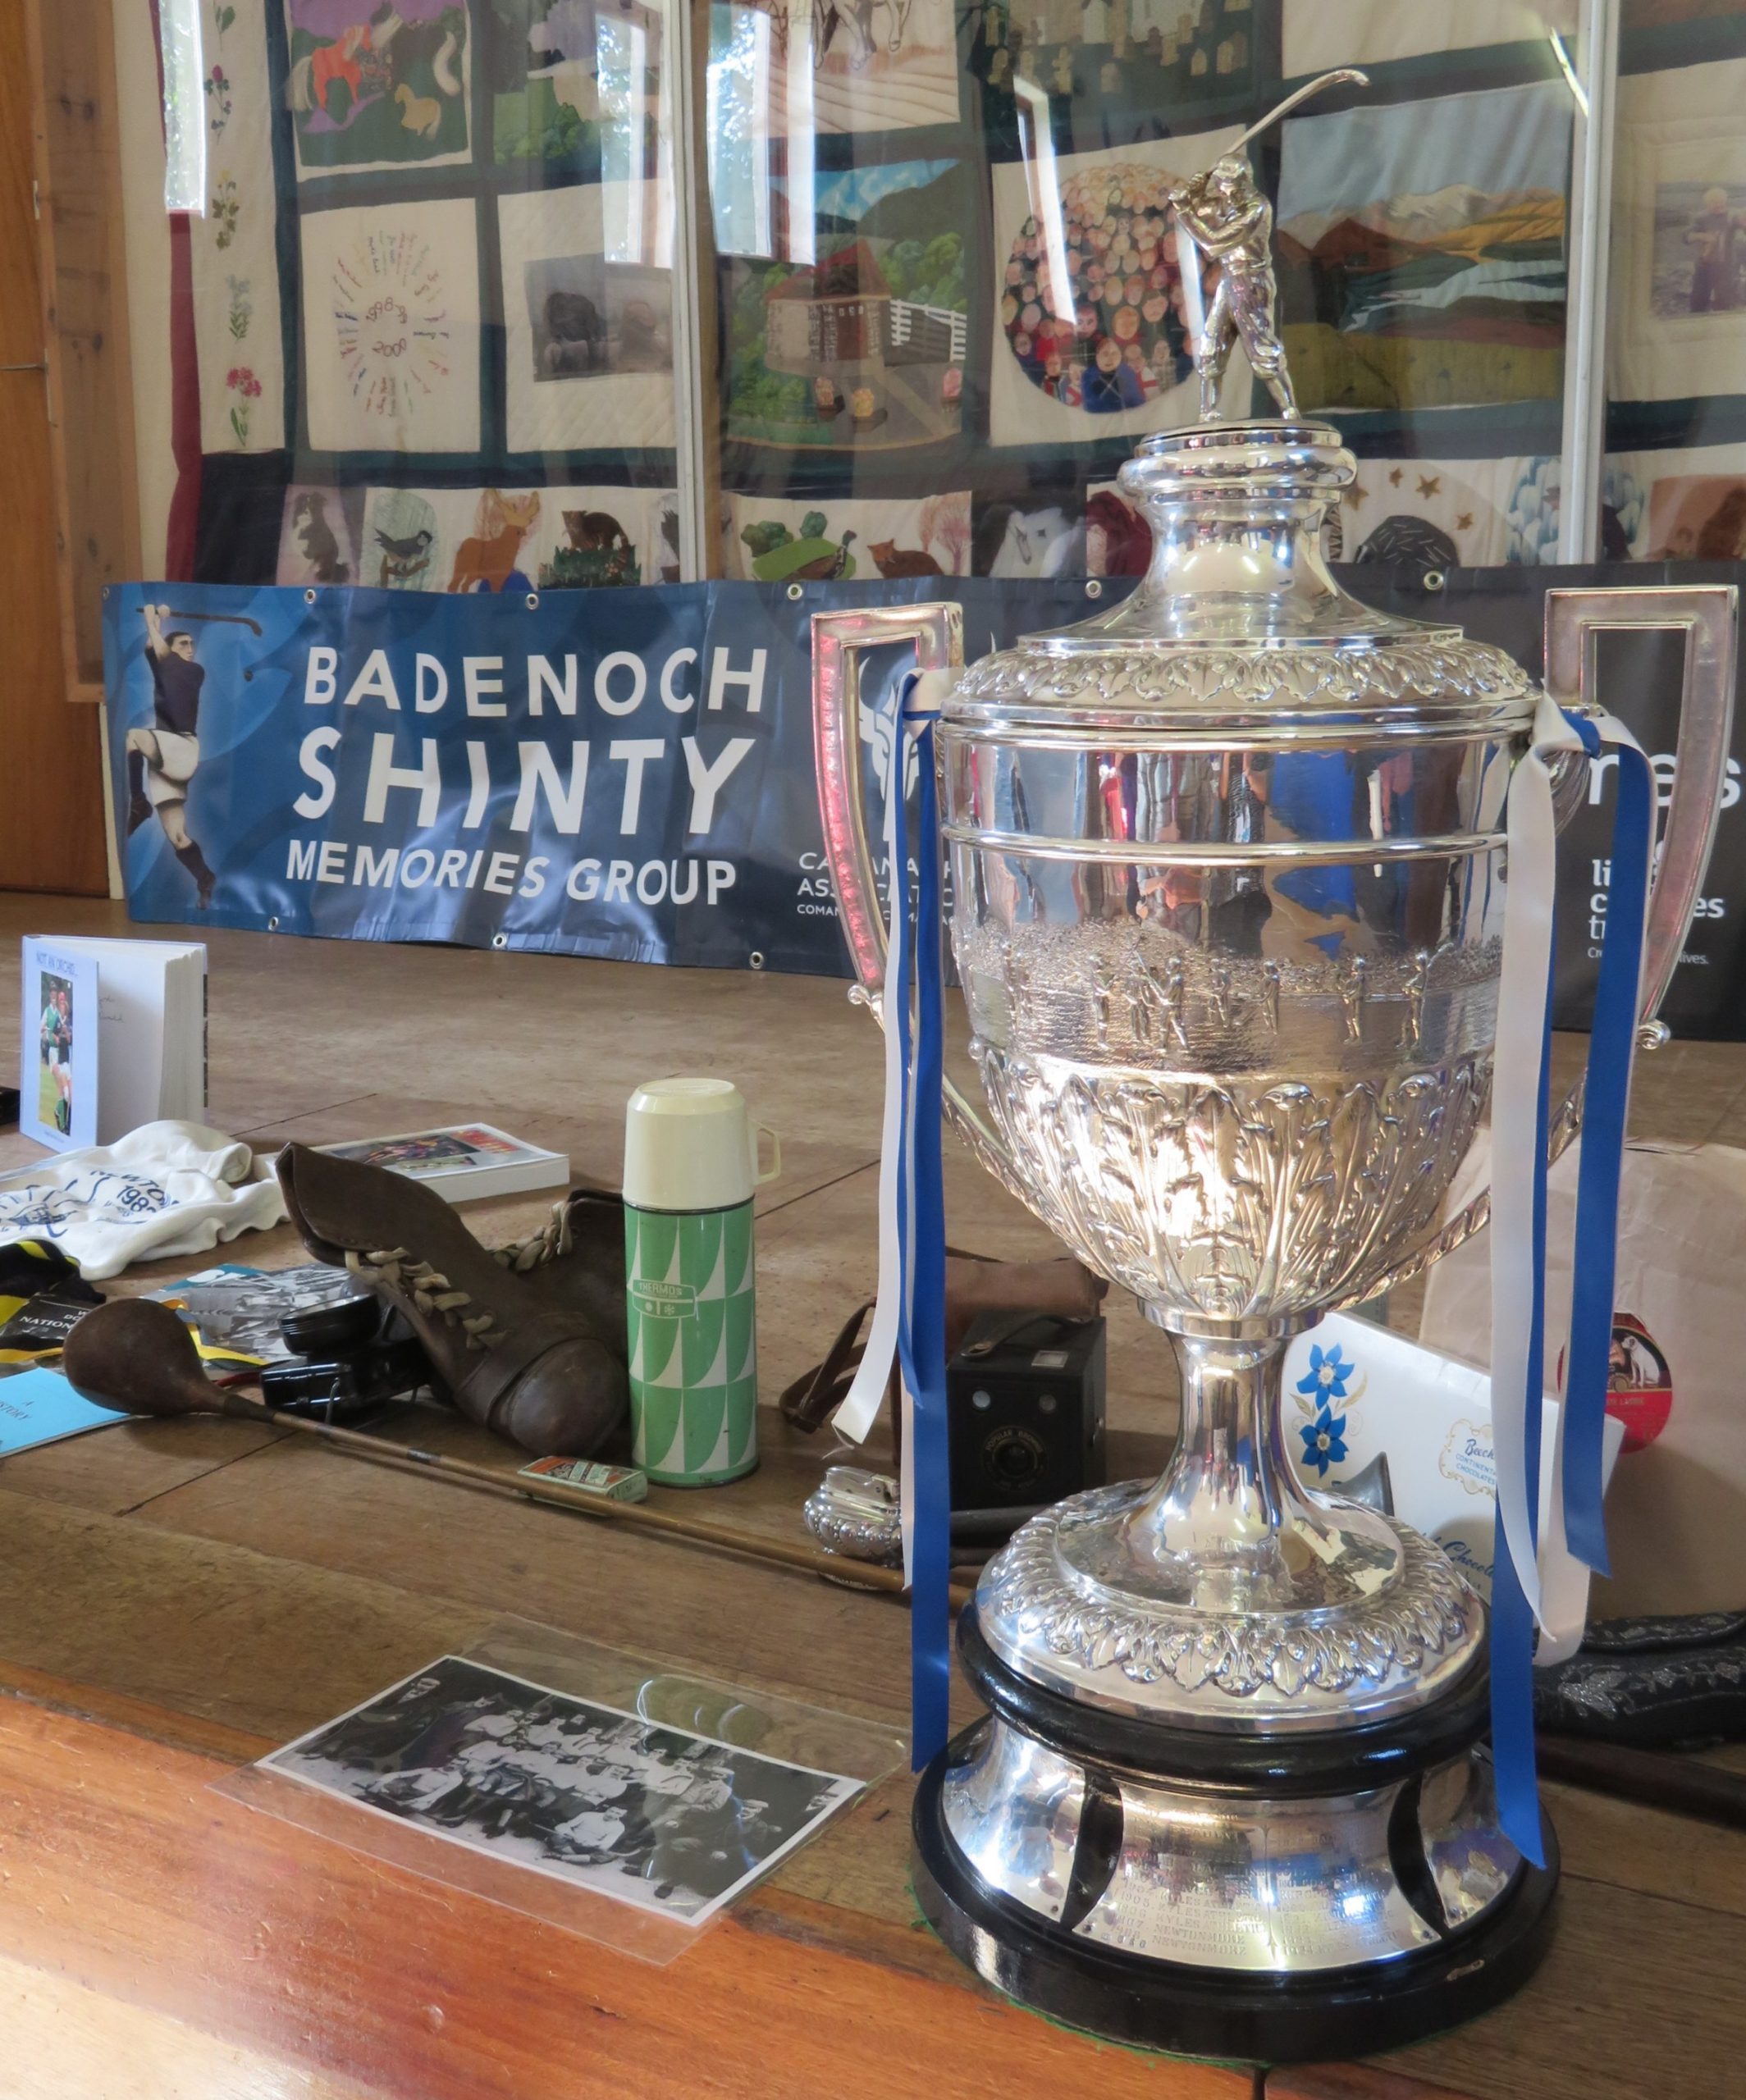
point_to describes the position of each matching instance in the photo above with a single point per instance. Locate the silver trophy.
(1226, 893)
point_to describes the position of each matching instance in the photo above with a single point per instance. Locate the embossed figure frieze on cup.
(1227, 887)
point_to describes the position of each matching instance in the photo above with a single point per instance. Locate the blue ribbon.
(1607, 1100)
(921, 1326)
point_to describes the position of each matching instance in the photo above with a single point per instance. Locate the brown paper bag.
(1676, 1509)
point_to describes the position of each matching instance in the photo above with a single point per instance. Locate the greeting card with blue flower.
(1328, 1375)
(1324, 1441)
(1328, 1398)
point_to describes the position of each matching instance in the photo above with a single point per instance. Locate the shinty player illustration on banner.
(161, 760)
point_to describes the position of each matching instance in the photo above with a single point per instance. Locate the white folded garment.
(165, 1188)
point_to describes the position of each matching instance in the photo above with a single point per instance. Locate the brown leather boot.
(530, 1362)
(576, 1262)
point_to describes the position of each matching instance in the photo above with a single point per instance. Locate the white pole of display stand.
(688, 346)
(1582, 470)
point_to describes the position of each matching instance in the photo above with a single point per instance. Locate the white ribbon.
(1528, 901)
(1555, 1584)
(861, 1408)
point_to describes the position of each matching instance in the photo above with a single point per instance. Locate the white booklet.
(148, 1049)
(462, 1161)
(57, 1080)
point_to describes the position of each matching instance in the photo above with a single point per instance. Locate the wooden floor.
(175, 1599)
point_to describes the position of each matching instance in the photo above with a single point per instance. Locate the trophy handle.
(1708, 614)
(937, 630)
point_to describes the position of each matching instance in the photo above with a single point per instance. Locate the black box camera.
(1024, 1411)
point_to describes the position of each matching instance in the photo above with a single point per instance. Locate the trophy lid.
(1238, 624)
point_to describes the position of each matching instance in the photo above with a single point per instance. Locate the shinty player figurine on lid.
(1229, 219)
(1235, 1018)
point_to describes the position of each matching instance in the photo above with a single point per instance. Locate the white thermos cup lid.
(690, 1145)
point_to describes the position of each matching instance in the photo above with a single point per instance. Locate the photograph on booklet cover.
(150, 1016)
(461, 1161)
(58, 1050)
(660, 1818)
(236, 1312)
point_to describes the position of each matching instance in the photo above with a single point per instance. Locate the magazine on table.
(462, 1161)
(236, 1312)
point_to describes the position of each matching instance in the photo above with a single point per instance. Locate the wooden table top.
(180, 1598)
(177, 1598)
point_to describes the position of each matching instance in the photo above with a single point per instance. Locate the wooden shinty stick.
(136, 1355)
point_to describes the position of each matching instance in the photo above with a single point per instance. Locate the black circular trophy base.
(1225, 2014)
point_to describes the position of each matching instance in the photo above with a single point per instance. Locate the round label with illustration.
(1640, 1385)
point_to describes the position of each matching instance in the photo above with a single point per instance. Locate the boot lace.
(428, 1288)
(553, 1238)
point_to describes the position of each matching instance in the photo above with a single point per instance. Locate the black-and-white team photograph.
(657, 1817)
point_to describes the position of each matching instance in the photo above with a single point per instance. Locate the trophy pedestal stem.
(1229, 1528)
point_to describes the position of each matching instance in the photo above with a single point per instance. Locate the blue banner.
(629, 773)
(625, 773)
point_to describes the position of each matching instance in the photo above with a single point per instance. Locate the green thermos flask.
(691, 1166)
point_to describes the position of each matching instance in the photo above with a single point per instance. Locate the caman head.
(182, 642)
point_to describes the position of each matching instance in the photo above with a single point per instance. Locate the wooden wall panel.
(51, 831)
(90, 395)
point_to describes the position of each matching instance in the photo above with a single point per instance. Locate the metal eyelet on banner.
(309, 597)
(533, 601)
(500, 940)
(272, 923)
(796, 591)
(755, 959)
(1434, 579)
(1093, 588)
